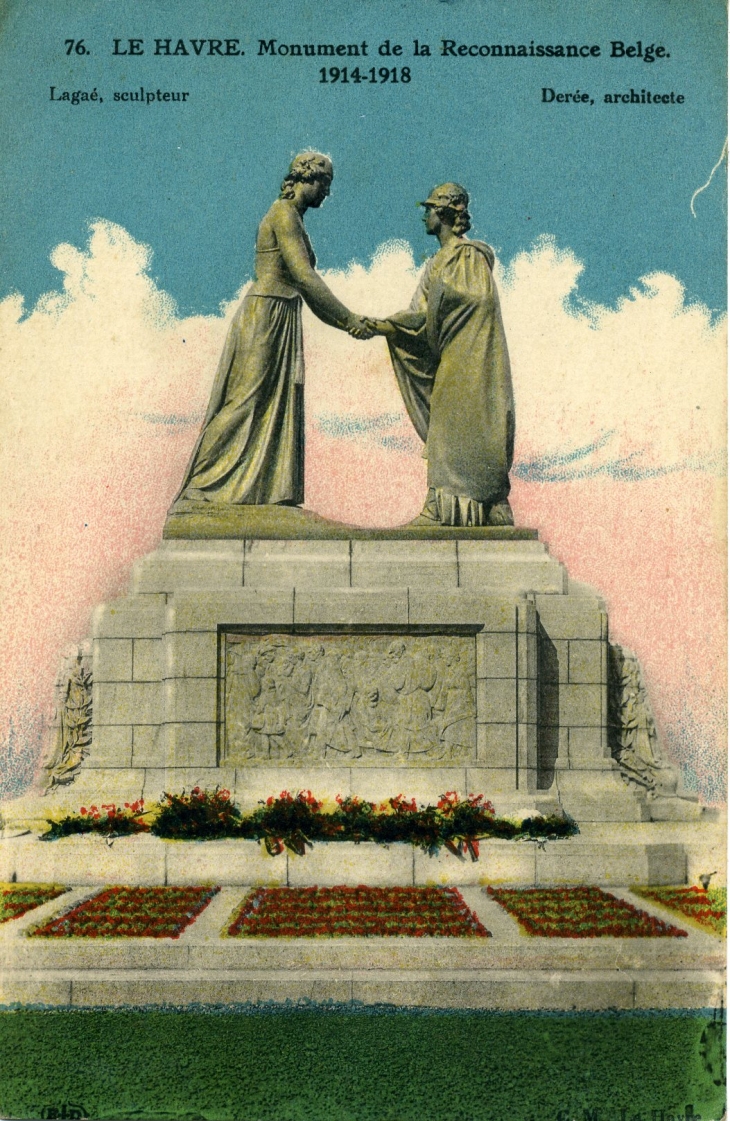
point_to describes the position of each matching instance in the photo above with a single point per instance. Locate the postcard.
(364, 686)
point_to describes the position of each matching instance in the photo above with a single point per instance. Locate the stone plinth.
(354, 662)
(277, 651)
(145, 860)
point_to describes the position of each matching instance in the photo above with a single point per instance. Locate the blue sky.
(612, 182)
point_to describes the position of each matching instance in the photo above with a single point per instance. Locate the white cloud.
(107, 361)
(649, 371)
(643, 379)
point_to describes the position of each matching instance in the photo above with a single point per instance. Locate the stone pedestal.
(395, 662)
(269, 651)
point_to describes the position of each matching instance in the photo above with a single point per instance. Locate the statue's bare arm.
(287, 226)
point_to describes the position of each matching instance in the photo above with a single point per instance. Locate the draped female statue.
(251, 448)
(449, 353)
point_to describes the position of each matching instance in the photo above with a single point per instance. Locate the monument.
(263, 648)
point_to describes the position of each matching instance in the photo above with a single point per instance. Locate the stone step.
(508, 970)
(149, 860)
(628, 954)
(522, 989)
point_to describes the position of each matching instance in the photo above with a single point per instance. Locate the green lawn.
(363, 1065)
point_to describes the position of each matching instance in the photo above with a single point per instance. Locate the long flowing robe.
(251, 448)
(451, 362)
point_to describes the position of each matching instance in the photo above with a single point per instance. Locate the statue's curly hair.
(306, 168)
(459, 219)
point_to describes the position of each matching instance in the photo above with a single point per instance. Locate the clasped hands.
(363, 327)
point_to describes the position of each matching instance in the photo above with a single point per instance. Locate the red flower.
(308, 799)
(356, 912)
(401, 804)
(478, 800)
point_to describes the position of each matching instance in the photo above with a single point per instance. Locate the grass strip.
(339, 1064)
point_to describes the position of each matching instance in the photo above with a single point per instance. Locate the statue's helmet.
(451, 199)
(451, 195)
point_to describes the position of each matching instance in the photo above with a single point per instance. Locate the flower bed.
(296, 821)
(131, 912)
(360, 912)
(17, 899)
(108, 819)
(579, 912)
(706, 909)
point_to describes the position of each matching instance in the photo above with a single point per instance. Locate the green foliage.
(292, 822)
(109, 820)
(17, 899)
(705, 908)
(198, 816)
(296, 821)
(340, 1064)
(579, 912)
(131, 912)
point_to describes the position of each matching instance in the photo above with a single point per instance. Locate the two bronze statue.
(448, 351)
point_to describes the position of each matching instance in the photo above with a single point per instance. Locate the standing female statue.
(251, 448)
(449, 354)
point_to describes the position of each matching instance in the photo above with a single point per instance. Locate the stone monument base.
(201, 521)
(305, 655)
(368, 664)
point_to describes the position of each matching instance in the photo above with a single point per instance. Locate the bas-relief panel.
(353, 700)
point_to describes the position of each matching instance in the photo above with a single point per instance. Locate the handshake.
(362, 327)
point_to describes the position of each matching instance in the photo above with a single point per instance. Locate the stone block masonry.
(374, 664)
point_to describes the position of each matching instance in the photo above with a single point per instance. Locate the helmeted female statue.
(449, 353)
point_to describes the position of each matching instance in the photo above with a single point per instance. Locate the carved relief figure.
(330, 726)
(636, 743)
(74, 733)
(411, 677)
(455, 703)
(353, 699)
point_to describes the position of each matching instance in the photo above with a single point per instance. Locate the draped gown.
(251, 447)
(449, 354)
